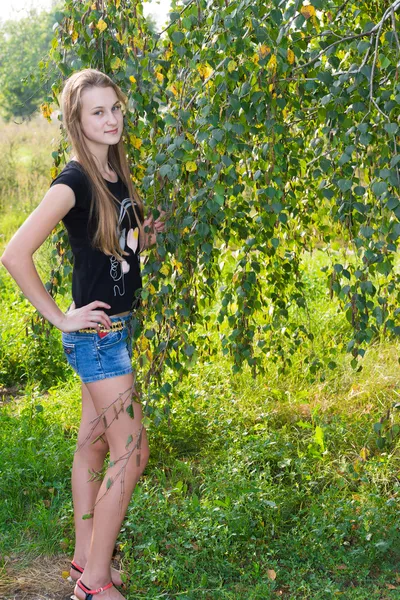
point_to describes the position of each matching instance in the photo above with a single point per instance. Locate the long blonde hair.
(105, 237)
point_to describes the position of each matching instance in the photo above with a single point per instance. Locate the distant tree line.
(24, 46)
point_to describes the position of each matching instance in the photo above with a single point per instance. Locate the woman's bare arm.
(18, 255)
(18, 260)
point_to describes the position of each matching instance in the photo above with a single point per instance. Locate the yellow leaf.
(116, 63)
(160, 77)
(271, 574)
(264, 50)
(174, 90)
(46, 111)
(139, 42)
(117, 3)
(290, 56)
(53, 172)
(364, 453)
(149, 355)
(151, 288)
(165, 269)
(307, 10)
(177, 265)
(143, 343)
(232, 65)
(93, 7)
(119, 37)
(132, 79)
(65, 574)
(205, 71)
(315, 22)
(255, 59)
(101, 25)
(272, 63)
(191, 166)
(190, 137)
(74, 36)
(136, 142)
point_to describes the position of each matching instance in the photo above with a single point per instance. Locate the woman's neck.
(107, 172)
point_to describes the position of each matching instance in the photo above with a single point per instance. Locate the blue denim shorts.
(93, 357)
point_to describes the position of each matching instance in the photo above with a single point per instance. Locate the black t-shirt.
(97, 276)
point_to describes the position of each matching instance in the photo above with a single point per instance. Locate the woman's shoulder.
(72, 172)
(74, 176)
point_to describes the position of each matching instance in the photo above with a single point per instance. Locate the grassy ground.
(258, 489)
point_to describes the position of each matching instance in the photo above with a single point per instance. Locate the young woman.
(103, 214)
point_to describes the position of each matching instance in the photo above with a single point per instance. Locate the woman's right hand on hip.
(89, 315)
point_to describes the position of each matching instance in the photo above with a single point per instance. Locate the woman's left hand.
(159, 223)
(156, 225)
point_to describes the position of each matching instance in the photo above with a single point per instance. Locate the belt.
(116, 326)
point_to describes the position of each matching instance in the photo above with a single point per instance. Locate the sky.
(16, 9)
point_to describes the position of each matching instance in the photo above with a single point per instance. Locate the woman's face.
(101, 116)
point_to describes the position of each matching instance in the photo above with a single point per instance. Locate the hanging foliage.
(265, 129)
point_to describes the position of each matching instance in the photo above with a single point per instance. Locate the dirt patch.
(40, 579)
(8, 394)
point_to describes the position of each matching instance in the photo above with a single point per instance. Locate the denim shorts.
(93, 357)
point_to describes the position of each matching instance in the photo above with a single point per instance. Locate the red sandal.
(90, 593)
(76, 567)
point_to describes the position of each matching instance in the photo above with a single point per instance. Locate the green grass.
(237, 486)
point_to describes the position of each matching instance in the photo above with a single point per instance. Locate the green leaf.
(345, 184)
(379, 187)
(165, 170)
(392, 203)
(366, 231)
(344, 159)
(319, 437)
(391, 128)
(359, 190)
(189, 349)
(177, 36)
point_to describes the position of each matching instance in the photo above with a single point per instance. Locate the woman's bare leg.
(123, 434)
(89, 456)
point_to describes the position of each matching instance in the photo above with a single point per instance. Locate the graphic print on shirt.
(126, 239)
